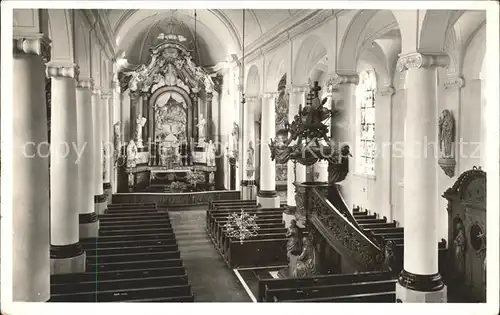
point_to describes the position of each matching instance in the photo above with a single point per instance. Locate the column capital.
(106, 96)
(386, 90)
(422, 60)
(253, 98)
(302, 88)
(85, 83)
(454, 82)
(269, 95)
(335, 79)
(37, 44)
(61, 70)
(96, 90)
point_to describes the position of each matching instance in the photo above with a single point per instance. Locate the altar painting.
(170, 117)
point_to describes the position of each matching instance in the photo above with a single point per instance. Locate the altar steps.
(136, 258)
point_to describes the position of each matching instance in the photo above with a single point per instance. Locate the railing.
(339, 229)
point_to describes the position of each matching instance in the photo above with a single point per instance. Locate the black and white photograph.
(252, 152)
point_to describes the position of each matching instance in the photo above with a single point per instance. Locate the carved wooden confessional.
(467, 233)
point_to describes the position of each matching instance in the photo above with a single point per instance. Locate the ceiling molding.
(300, 23)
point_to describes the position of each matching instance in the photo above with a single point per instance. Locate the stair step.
(104, 259)
(131, 250)
(126, 243)
(112, 231)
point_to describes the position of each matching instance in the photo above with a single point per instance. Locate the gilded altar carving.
(446, 139)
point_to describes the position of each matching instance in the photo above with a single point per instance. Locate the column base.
(89, 225)
(268, 199)
(248, 190)
(108, 191)
(66, 259)
(412, 288)
(100, 204)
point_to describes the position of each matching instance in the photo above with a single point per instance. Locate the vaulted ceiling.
(219, 33)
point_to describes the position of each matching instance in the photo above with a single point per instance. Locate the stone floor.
(211, 279)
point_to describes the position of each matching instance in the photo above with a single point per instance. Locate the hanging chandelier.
(306, 141)
(241, 226)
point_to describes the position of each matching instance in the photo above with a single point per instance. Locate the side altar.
(170, 98)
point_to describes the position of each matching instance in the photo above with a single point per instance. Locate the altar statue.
(250, 155)
(306, 262)
(201, 128)
(140, 121)
(210, 154)
(163, 155)
(446, 133)
(131, 154)
(211, 178)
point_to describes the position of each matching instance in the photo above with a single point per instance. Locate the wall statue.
(117, 141)
(131, 154)
(446, 138)
(250, 159)
(235, 134)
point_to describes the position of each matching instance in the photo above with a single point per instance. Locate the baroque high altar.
(172, 136)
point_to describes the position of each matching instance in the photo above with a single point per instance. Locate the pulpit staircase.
(361, 237)
(134, 259)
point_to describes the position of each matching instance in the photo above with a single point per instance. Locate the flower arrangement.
(178, 186)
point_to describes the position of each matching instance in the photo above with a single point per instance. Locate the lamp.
(241, 226)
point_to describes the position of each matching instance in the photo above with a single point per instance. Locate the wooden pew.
(272, 284)
(332, 290)
(275, 233)
(103, 258)
(99, 266)
(220, 229)
(257, 253)
(138, 250)
(96, 243)
(120, 295)
(377, 297)
(222, 217)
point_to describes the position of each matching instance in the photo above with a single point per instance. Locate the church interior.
(249, 155)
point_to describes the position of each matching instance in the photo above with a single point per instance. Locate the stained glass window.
(366, 112)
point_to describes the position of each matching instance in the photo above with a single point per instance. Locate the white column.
(30, 213)
(420, 272)
(343, 93)
(89, 225)
(383, 142)
(297, 98)
(267, 195)
(99, 198)
(248, 188)
(66, 253)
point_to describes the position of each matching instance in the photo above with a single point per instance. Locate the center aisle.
(211, 279)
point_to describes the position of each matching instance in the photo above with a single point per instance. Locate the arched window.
(365, 133)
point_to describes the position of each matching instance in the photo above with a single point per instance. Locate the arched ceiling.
(219, 32)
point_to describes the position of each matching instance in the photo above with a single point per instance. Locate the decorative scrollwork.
(360, 248)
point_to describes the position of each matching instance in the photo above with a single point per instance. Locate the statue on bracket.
(235, 134)
(250, 159)
(117, 141)
(140, 121)
(446, 136)
(131, 154)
